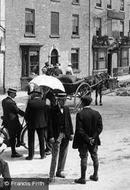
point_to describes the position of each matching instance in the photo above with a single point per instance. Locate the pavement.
(114, 156)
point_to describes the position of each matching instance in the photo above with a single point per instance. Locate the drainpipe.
(3, 51)
(89, 45)
(4, 74)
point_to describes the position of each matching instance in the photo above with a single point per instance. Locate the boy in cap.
(11, 120)
(86, 139)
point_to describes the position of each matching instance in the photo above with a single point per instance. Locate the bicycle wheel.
(4, 136)
(24, 139)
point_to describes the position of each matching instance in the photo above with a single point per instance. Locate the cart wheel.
(82, 90)
(24, 139)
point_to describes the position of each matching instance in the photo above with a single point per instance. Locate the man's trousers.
(59, 148)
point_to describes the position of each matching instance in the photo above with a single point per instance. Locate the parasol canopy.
(48, 81)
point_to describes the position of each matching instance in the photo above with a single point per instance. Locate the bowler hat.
(11, 90)
(86, 100)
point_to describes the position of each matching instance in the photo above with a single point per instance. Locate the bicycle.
(23, 136)
(5, 135)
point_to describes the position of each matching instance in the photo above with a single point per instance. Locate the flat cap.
(86, 100)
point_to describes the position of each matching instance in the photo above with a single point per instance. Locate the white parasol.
(48, 81)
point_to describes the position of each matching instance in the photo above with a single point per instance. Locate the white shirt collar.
(86, 107)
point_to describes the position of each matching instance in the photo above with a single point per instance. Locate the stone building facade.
(41, 31)
(110, 41)
(82, 32)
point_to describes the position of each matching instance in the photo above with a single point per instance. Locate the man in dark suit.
(57, 71)
(11, 120)
(60, 132)
(86, 139)
(35, 116)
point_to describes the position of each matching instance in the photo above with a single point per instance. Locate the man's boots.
(94, 177)
(82, 180)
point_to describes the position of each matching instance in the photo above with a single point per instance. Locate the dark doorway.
(54, 57)
(109, 63)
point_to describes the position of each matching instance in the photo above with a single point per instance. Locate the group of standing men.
(56, 70)
(53, 123)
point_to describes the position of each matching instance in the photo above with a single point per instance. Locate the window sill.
(54, 36)
(75, 36)
(109, 8)
(122, 11)
(100, 8)
(23, 78)
(55, 0)
(73, 3)
(29, 35)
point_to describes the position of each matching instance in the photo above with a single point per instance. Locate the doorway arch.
(54, 57)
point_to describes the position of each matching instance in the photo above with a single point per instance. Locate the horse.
(97, 83)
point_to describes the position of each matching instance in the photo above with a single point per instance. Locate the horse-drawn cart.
(75, 88)
(78, 88)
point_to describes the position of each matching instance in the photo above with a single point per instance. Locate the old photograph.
(64, 94)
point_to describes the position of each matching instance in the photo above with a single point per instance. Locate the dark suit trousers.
(62, 154)
(83, 153)
(31, 141)
(59, 148)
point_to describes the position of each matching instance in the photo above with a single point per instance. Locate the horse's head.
(89, 80)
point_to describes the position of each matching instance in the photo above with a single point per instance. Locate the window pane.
(75, 58)
(95, 60)
(109, 4)
(121, 28)
(75, 24)
(75, 1)
(29, 21)
(55, 23)
(34, 62)
(99, 3)
(98, 26)
(122, 5)
(30, 62)
(124, 60)
(101, 60)
(109, 27)
(25, 63)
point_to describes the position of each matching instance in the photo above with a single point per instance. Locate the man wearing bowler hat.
(60, 133)
(11, 120)
(86, 139)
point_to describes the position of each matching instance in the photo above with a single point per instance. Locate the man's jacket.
(10, 114)
(54, 127)
(35, 114)
(88, 125)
